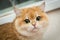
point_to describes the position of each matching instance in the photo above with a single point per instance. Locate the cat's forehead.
(31, 12)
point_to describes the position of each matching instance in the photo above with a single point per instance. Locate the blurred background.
(6, 6)
(6, 3)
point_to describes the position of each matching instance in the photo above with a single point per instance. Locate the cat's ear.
(17, 11)
(42, 6)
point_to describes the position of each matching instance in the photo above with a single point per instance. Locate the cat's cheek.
(44, 27)
(38, 25)
(30, 28)
(27, 27)
(45, 24)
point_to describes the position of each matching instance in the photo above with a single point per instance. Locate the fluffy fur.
(21, 30)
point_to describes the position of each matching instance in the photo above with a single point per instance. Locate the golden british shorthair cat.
(30, 24)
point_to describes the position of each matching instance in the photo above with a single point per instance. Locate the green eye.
(27, 20)
(38, 18)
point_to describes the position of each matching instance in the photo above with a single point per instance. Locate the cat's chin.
(28, 34)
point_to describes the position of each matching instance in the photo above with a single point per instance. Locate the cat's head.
(31, 21)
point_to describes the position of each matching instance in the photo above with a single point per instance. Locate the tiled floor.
(53, 32)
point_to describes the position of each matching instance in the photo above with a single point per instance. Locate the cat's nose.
(34, 25)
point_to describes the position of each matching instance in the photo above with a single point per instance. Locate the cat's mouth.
(35, 30)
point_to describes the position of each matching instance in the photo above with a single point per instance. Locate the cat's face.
(31, 21)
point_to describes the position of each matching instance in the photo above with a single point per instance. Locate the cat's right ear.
(17, 11)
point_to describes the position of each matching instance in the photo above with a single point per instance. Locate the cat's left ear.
(42, 6)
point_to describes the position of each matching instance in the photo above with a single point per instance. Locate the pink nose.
(34, 25)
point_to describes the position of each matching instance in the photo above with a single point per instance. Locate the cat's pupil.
(38, 18)
(27, 20)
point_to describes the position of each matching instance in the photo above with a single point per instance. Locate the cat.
(30, 24)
